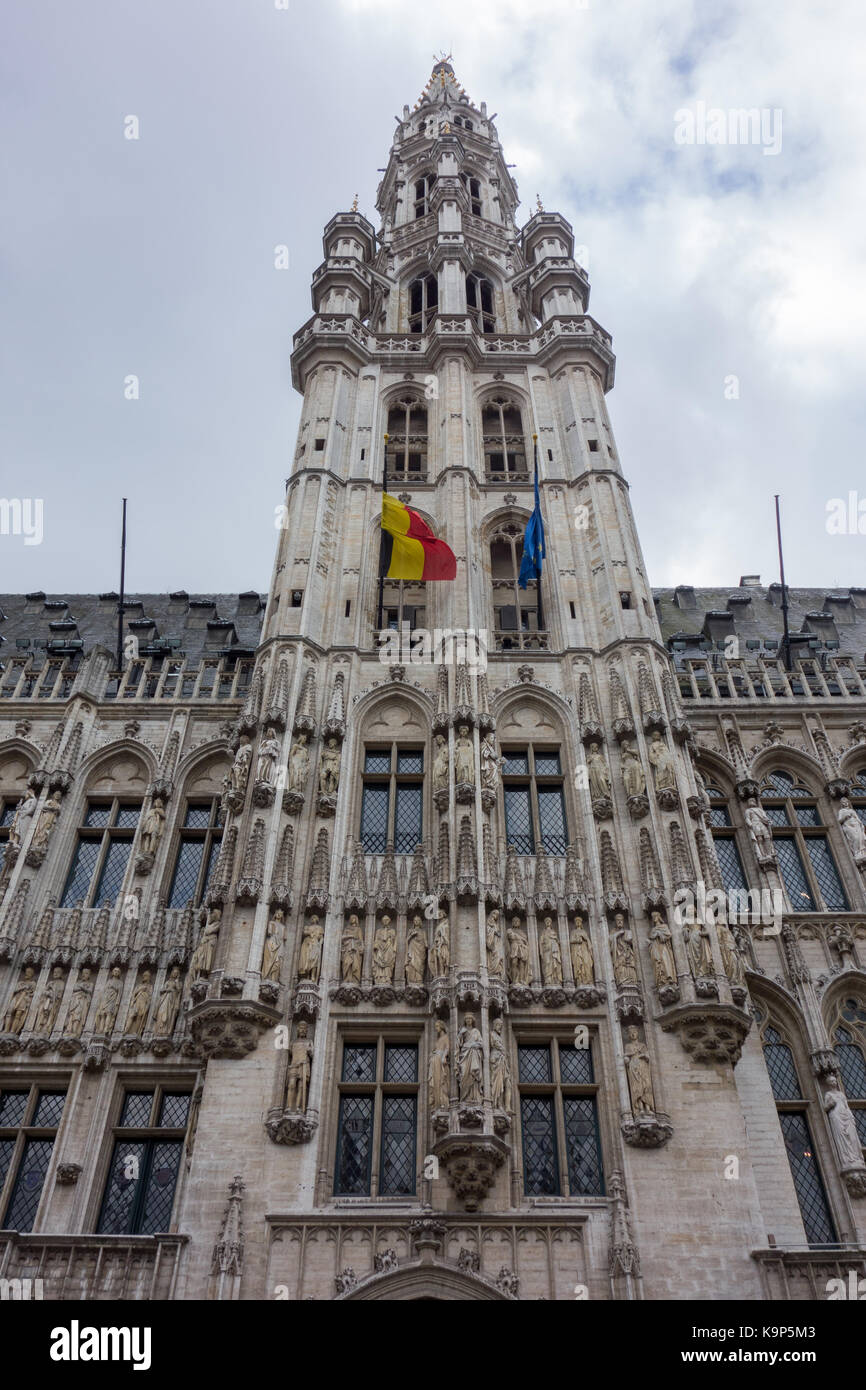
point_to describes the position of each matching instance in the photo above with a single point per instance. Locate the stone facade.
(364, 966)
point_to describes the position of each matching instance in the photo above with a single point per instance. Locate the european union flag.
(533, 542)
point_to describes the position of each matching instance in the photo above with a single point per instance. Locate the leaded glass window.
(802, 845)
(145, 1162)
(392, 799)
(29, 1118)
(561, 1142)
(849, 1038)
(101, 857)
(534, 800)
(197, 853)
(725, 843)
(377, 1124)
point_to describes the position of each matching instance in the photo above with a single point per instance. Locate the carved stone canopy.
(471, 1162)
(709, 1032)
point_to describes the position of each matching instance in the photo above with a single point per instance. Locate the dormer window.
(423, 190)
(479, 303)
(423, 302)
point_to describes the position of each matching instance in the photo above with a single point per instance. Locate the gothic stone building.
(338, 971)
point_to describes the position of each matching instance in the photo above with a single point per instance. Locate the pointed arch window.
(802, 845)
(515, 610)
(406, 454)
(725, 842)
(479, 303)
(423, 190)
(423, 302)
(473, 188)
(849, 1044)
(504, 441)
(797, 1135)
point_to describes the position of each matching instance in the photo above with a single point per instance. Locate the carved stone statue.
(500, 1072)
(21, 820)
(843, 1127)
(384, 952)
(168, 1003)
(79, 1004)
(240, 768)
(439, 1073)
(633, 778)
(416, 952)
(662, 952)
(471, 1055)
(49, 1002)
(490, 763)
(19, 1005)
(203, 955)
(310, 958)
(518, 953)
(495, 954)
(45, 823)
(664, 768)
(329, 768)
(298, 1078)
(699, 947)
(153, 827)
(440, 764)
(581, 954)
(731, 958)
(622, 947)
(352, 951)
(272, 951)
(852, 828)
(550, 952)
(269, 752)
(464, 758)
(599, 773)
(139, 1006)
(108, 1002)
(440, 951)
(637, 1064)
(760, 829)
(299, 765)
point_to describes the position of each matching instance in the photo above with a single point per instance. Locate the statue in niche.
(471, 1054)
(49, 1002)
(168, 1003)
(205, 951)
(384, 952)
(500, 1072)
(732, 961)
(329, 768)
(79, 1004)
(272, 951)
(581, 954)
(622, 946)
(24, 813)
(662, 952)
(19, 1005)
(352, 951)
(518, 953)
(299, 765)
(269, 752)
(440, 951)
(298, 1077)
(108, 1002)
(464, 758)
(416, 952)
(490, 764)
(551, 953)
(760, 829)
(843, 1126)
(852, 828)
(153, 827)
(240, 768)
(310, 958)
(46, 823)
(637, 1064)
(598, 772)
(664, 768)
(139, 1005)
(440, 764)
(495, 954)
(633, 778)
(699, 948)
(439, 1073)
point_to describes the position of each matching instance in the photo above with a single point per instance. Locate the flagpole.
(122, 582)
(786, 640)
(382, 538)
(540, 608)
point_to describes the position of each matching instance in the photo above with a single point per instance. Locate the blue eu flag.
(533, 542)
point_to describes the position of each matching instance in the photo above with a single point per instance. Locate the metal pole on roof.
(786, 639)
(122, 580)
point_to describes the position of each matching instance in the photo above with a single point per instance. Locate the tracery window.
(479, 303)
(148, 1146)
(515, 610)
(534, 799)
(504, 441)
(392, 799)
(561, 1143)
(406, 452)
(377, 1128)
(423, 302)
(849, 1044)
(802, 846)
(797, 1135)
(29, 1117)
(102, 852)
(423, 189)
(197, 853)
(725, 842)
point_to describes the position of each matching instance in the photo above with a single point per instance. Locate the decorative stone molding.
(307, 1001)
(638, 806)
(471, 1162)
(222, 1029)
(602, 808)
(855, 1181)
(646, 1130)
(291, 1126)
(68, 1174)
(709, 1032)
(427, 1233)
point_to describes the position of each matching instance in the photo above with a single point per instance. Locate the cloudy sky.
(733, 280)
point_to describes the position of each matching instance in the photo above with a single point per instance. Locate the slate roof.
(753, 612)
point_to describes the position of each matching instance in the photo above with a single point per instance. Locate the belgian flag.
(409, 548)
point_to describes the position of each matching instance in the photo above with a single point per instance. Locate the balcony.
(803, 1273)
(85, 1268)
